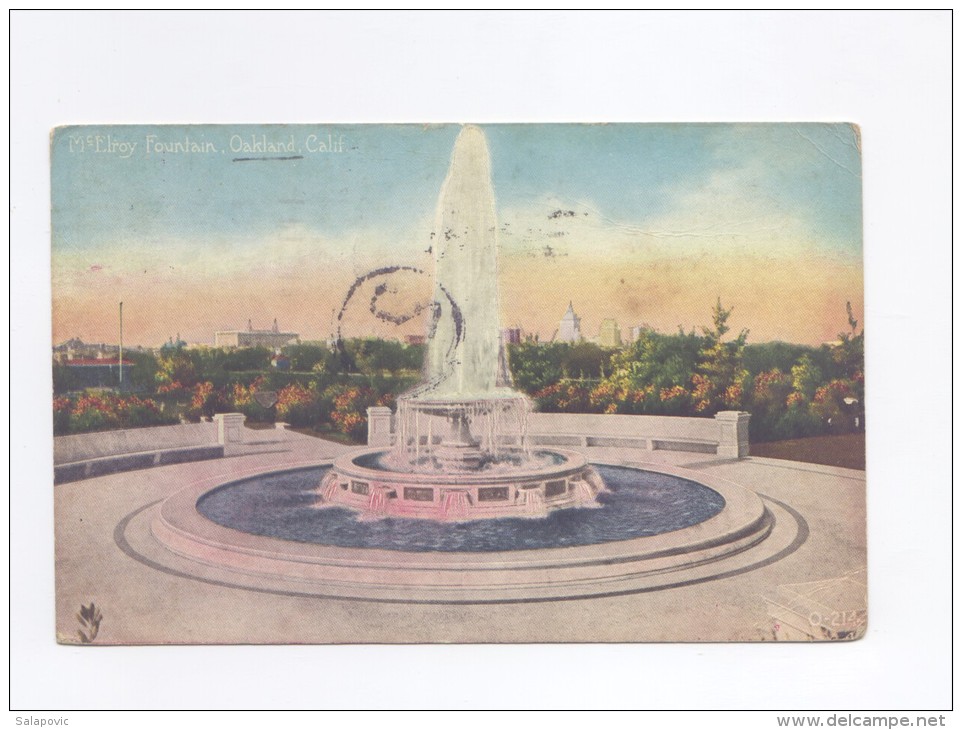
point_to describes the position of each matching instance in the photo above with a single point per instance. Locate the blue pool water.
(283, 505)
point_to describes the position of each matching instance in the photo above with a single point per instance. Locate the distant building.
(570, 327)
(511, 335)
(638, 330)
(69, 349)
(77, 349)
(102, 372)
(609, 335)
(255, 338)
(173, 345)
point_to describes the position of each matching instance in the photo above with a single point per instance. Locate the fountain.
(460, 450)
(460, 455)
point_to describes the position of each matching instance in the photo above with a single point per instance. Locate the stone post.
(378, 426)
(733, 434)
(229, 433)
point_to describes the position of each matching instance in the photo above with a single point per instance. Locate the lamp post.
(850, 406)
(120, 361)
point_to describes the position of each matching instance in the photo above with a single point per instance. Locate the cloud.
(196, 285)
(726, 234)
(758, 228)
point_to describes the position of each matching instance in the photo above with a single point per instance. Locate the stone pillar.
(733, 433)
(229, 433)
(378, 426)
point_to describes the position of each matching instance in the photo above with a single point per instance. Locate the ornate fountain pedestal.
(459, 450)
(461, 459)
(549, 480)
(459, 447)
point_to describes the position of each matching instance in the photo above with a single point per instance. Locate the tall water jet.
(460, 445)
(466, 380)
(463, 358)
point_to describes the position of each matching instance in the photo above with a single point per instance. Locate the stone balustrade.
(80, 456)
(725, 435)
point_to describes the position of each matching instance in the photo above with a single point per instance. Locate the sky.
(196, 231)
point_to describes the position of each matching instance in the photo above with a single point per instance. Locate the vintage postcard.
(458, 383)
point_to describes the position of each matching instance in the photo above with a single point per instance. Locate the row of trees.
(324, 389)
(105, 411)
(340, 407)
(791, 390)
(372, 359)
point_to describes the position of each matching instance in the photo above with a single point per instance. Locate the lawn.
(846, 450)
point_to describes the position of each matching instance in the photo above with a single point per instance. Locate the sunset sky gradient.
(665, 219)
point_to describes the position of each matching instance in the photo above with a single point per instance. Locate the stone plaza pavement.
(820, 511)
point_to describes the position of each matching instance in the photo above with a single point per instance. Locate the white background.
(890, 73)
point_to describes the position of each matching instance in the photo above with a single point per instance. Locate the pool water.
(284, 505)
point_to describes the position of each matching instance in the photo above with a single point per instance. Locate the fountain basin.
(556, 479)
(638, 503)
(214, 552)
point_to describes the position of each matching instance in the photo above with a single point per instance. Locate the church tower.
(570, 327)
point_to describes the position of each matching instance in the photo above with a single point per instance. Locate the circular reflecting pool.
(285, 505)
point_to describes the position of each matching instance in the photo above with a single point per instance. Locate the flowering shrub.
(702, 389)
(298, 405)
(240, 397)
(636, 400)
(349, 407)
(771, 389)
(174, 388)
(176, 369)
(674, 400)
(566, 396)
(829, 405)
(61, 415)
(709, 395)
(835, 390)
(619, 397)
(206, 401)
(606, 397)
(99, 412)
(732, 397)
(795, 400)
(134, 411)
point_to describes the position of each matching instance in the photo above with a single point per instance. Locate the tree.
(769, 403)
(373, 357)
(535, 367)
(248, 358)
(176, 369)
(143, 373)
(806, 377)
(849, 355)
(63, 379)
(766, 356)
(584, 360)
(657, 360)
(721, 377)
(206, 400)
(305, 358)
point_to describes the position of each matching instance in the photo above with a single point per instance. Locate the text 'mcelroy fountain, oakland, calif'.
(460, 448)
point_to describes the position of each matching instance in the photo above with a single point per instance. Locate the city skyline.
(639, 223)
